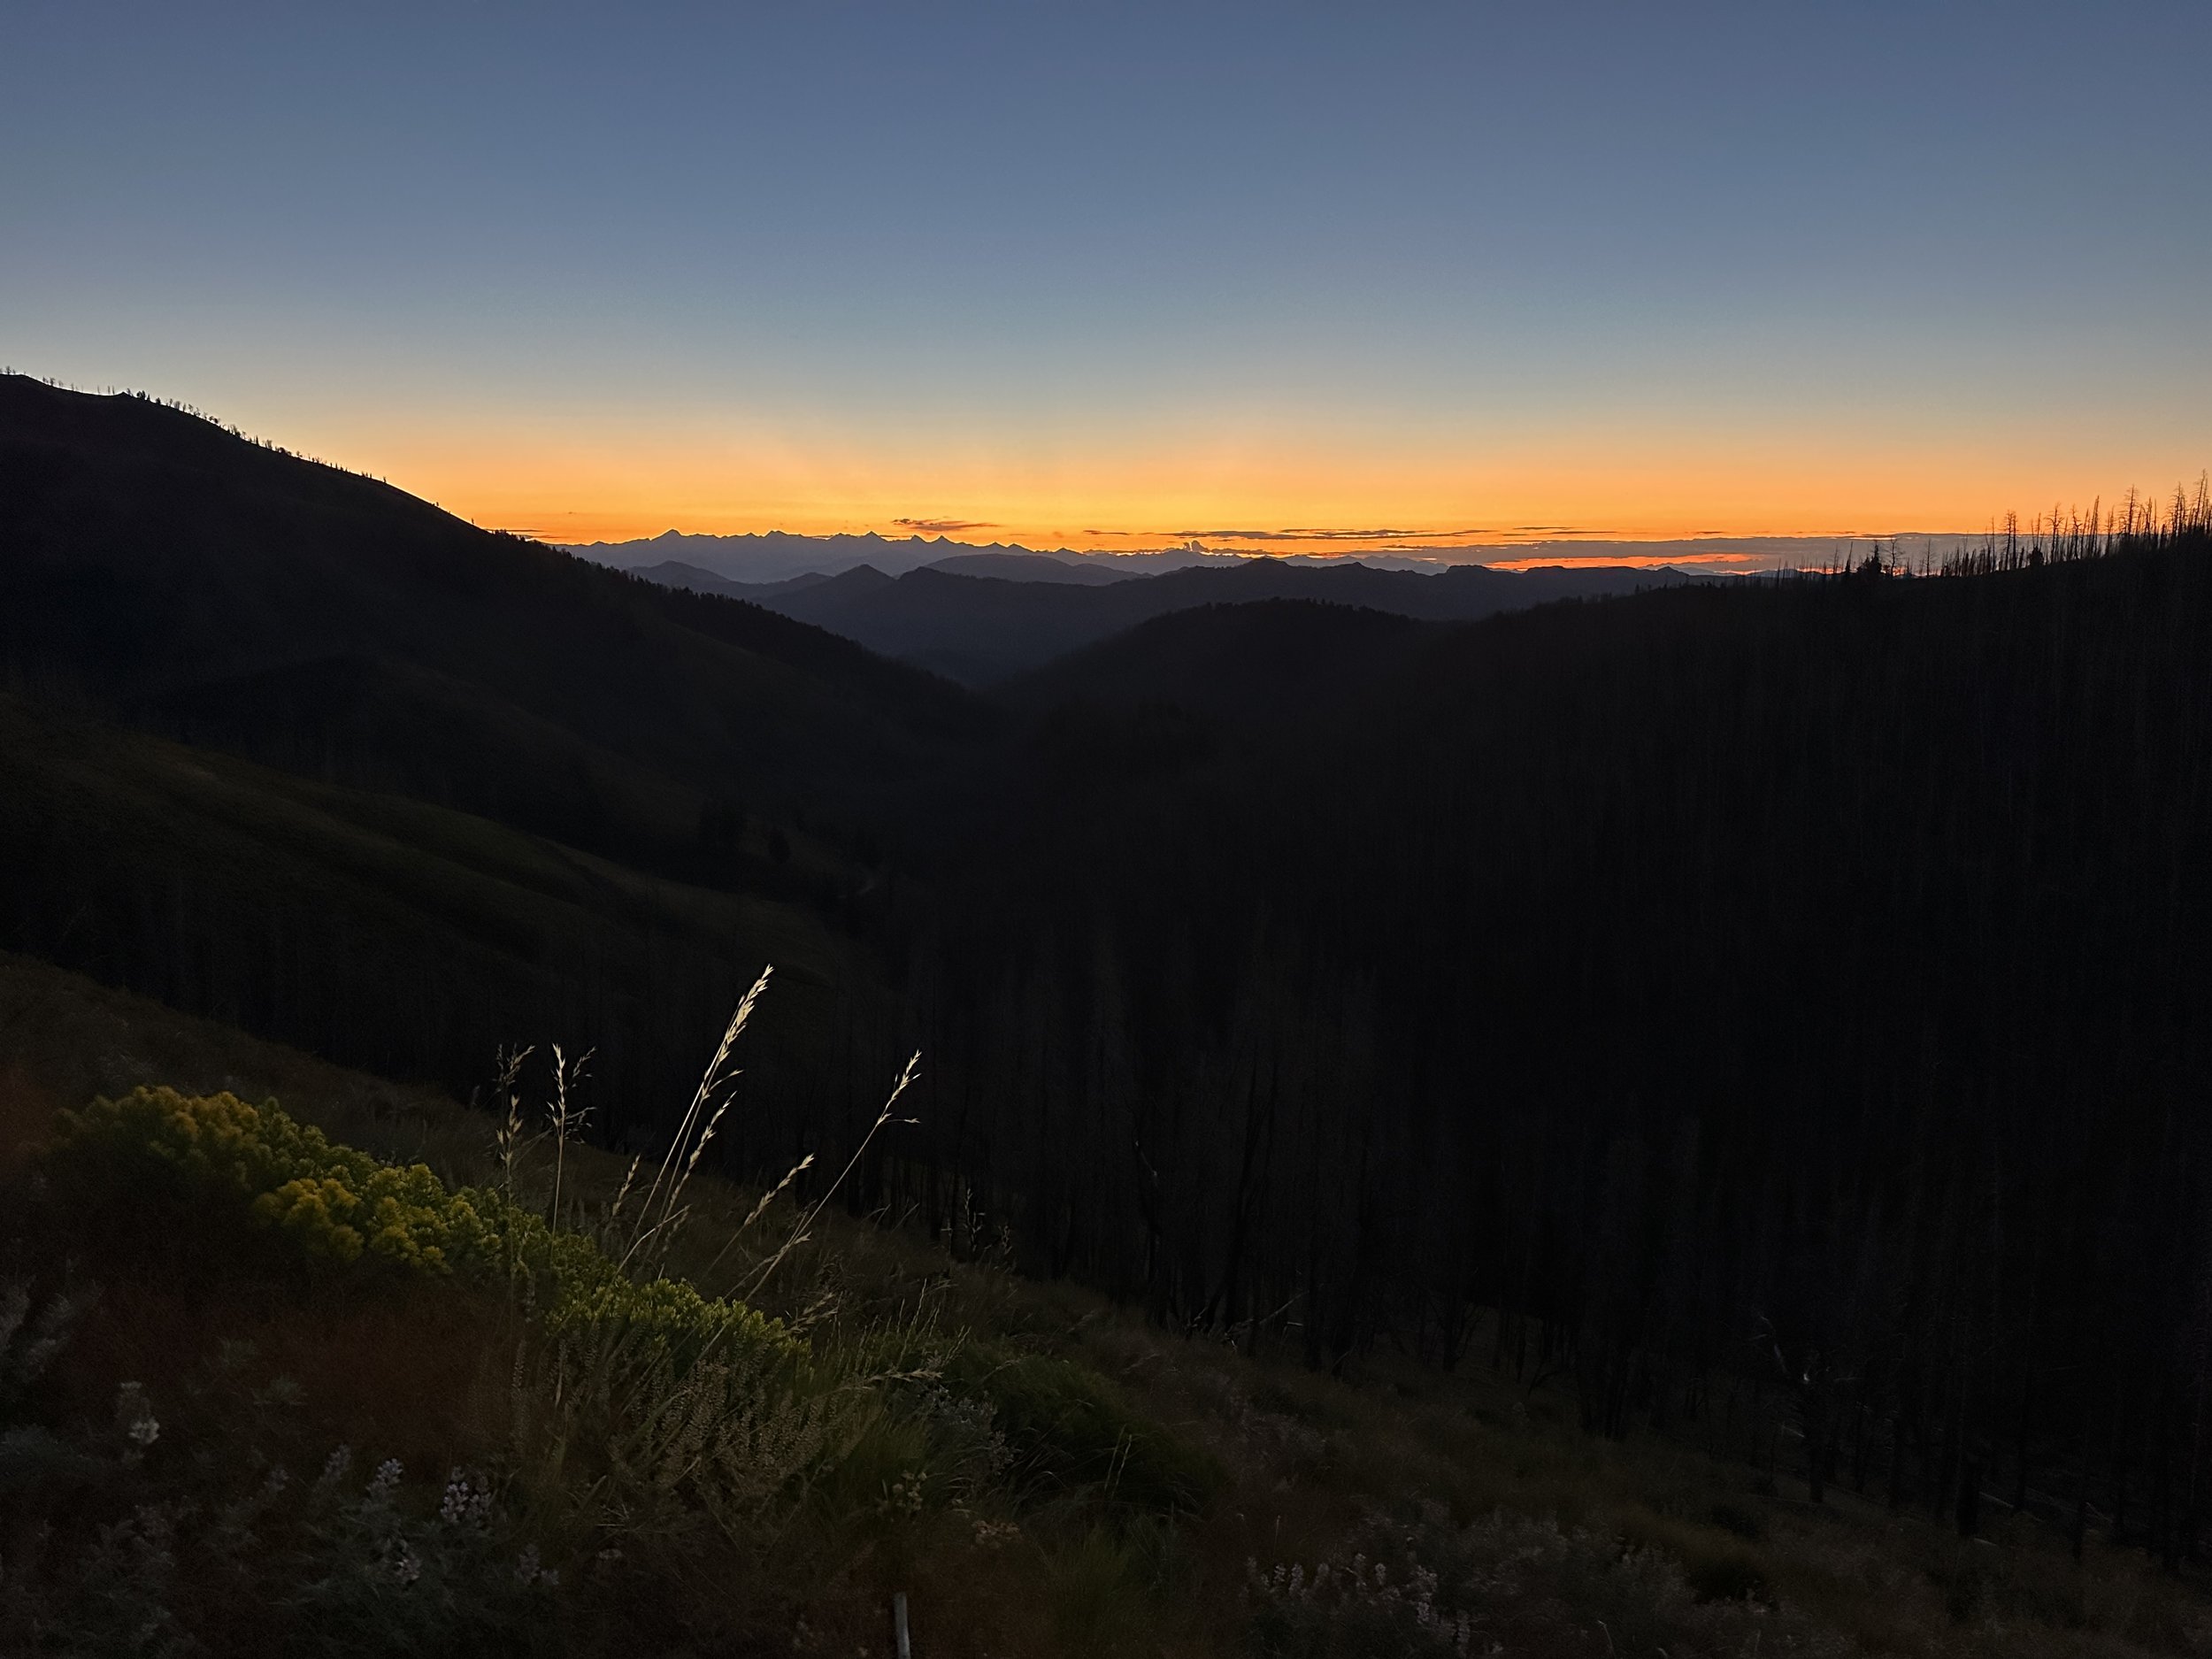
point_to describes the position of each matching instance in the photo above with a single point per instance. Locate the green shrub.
(1102, 1592)
(1069, 1427)
(338, 1204)
(341, 1205)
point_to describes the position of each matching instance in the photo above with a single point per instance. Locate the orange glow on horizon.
(1644, 561)
(1269, 492)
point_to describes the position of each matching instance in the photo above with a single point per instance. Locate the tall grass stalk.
(509, 1135)
(804, 1229)
(564, 1120)
(759, 1209)
(683, 1153)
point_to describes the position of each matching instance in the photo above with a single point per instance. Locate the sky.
(1314, 279)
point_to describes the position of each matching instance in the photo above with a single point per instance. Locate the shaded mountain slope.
(155, 565)
(676, 573)
(774, 556)
(1268, 663)
(1122, 725)
(1826, 961)
(381, 724)
(982, 629)
(379, 931)
(1037, 567)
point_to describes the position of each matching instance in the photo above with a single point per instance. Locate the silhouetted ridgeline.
(160, 568)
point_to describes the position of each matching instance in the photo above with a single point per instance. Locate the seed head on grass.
(803, 1230)
(563, 1120)
(509, 1135)
(683, 1152)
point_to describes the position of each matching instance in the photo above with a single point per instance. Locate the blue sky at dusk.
(1103, 275)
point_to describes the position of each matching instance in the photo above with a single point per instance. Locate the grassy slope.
(148, 863)
(1313, 1461)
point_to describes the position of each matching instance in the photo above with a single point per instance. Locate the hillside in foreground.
(240, 1440)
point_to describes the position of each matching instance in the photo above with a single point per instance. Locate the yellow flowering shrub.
(335, 1201)
(339, 1203)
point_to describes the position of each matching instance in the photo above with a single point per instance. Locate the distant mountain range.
(778, 556)
(775, 556)
(987, 617)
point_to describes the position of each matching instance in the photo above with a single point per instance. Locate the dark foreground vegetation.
(223, 1429)
(1723, 1069)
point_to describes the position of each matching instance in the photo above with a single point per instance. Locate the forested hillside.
(1720, 1001)
(1801, 987)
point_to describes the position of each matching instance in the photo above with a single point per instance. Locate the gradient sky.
(1114, 275)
